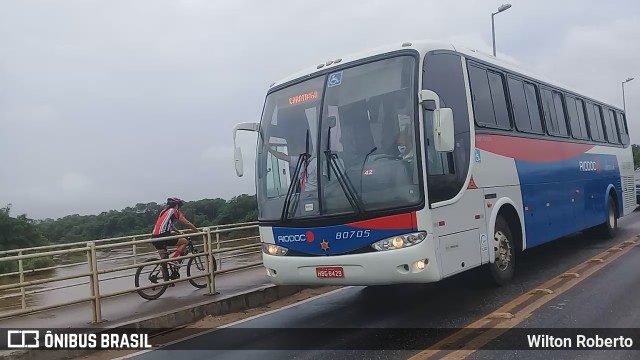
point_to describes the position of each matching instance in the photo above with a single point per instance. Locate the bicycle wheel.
(199, 265)
(155, 276)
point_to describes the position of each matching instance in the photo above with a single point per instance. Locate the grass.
(27, 264)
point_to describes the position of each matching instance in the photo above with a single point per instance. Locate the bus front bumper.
(414, 264)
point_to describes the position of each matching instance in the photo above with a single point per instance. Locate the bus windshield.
(340, 143)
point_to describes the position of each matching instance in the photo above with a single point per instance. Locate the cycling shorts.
(162, 244)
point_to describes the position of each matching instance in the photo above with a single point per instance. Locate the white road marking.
(236, 322)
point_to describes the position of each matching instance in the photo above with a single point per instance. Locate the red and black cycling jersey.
(166, 218)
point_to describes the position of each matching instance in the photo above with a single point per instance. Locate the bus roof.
(423, 47)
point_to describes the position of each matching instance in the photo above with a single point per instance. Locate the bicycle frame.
(175, 265)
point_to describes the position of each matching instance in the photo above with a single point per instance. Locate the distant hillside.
(21, 232)
(140, 219)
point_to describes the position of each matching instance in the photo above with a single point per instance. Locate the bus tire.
(502, 269)
(610, 227)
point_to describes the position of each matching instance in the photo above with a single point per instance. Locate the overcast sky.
(104, 104)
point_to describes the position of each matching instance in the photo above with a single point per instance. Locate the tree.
(18, 233)
(636, 156)
(6, 210)
(21, 232)
(139, 219)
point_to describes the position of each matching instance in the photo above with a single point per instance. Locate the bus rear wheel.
(610, 227)
(502, 269)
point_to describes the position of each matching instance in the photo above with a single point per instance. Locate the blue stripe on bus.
(338, 239)
(565, 196)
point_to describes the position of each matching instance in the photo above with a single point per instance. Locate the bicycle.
(174, 271)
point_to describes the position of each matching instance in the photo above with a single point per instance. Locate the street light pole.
(493, 26)
(624, 106)
(493, 33)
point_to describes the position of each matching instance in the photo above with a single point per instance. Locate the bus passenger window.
(612, 130)
(481, 96)
(525, 106)
(559, 109)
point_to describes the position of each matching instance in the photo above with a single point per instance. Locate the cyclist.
(165, 223)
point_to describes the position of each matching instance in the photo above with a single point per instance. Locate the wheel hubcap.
(611, 218)
(502, 249)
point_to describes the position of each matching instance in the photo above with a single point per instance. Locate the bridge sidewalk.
(129, 307)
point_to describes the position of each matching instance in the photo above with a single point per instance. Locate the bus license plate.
(330, 272)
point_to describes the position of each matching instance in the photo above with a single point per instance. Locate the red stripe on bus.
(538, 150)
(401, 221)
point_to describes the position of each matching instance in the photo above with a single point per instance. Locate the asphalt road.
(411, 314)
(607, 299)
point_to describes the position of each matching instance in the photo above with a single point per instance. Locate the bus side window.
(576, 118)
(622, 128)
(550, 115)
(595, 123)
(525, 106)
(610, 127)
(559, 110)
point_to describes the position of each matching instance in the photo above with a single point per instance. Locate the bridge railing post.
(91, 288)
(134, 251)
(94, 282)
(207, 266)
(211, 279)
(218, 247)
(22, 291)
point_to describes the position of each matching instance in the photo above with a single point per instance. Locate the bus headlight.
(400, 241)
(275, 250)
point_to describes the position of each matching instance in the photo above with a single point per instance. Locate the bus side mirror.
(443, 130)
(237, 152)
(237, 158)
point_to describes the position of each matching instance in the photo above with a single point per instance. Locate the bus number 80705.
(353, 234)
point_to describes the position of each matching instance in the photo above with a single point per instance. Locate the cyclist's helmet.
(174, 201)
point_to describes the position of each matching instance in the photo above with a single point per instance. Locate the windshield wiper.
(295, 182)
(345, 183)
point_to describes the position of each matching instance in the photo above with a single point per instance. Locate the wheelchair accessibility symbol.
(335, 79)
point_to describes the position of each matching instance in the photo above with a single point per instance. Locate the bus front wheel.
(502, 269)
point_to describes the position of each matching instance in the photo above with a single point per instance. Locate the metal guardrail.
(213, 247)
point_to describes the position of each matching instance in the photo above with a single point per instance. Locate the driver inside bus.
(404, 144)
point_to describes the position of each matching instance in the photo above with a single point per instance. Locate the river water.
(62, 291)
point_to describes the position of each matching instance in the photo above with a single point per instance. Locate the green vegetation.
(140, 219)
(21, 232)
(636, 156)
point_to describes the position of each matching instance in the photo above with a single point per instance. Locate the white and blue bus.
(414, 162)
